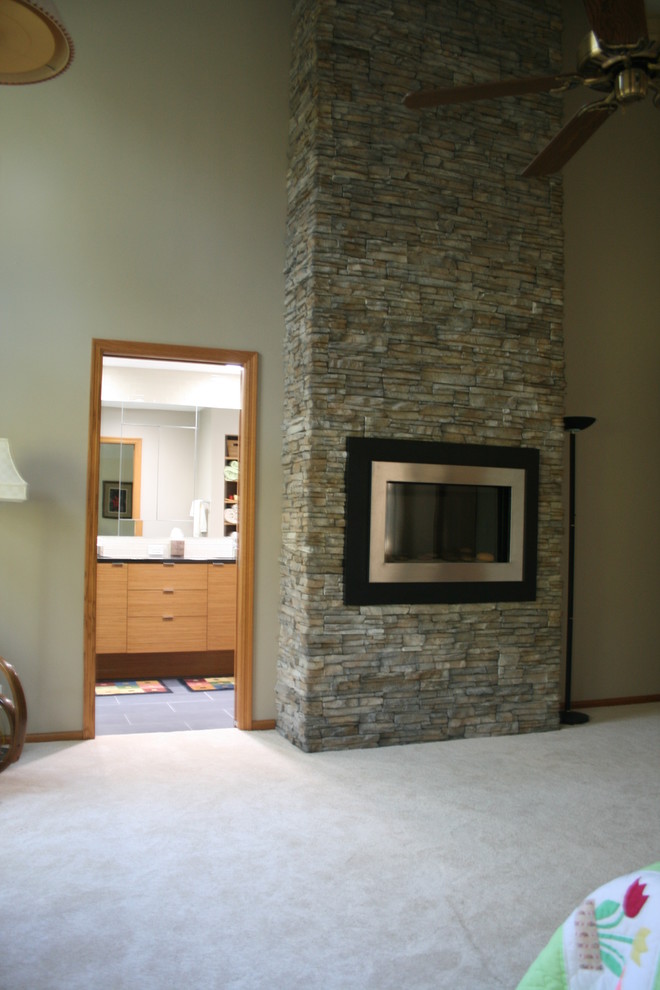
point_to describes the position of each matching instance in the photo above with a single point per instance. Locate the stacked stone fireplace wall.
(424, 301)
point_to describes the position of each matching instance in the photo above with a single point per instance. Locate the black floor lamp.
(573, 425)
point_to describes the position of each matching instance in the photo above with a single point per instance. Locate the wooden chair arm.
(16, 713)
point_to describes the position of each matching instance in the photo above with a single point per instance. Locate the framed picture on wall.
(117, 500)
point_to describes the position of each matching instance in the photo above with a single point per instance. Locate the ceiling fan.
(617, 58)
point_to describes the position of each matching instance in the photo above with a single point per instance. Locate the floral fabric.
(610, 942)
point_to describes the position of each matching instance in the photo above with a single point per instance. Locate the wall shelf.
(230, 512)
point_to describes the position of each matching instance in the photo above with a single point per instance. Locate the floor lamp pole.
(574, 425)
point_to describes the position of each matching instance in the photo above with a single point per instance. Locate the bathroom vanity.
(165, 618)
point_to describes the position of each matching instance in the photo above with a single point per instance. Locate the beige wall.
(142, 196)
(612, 327)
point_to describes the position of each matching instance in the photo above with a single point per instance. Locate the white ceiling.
(132, 382)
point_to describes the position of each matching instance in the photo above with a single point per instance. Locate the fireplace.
(439, 522)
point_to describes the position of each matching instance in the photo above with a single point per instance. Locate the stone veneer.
(423, 301)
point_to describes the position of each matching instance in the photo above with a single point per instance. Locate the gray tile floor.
(180, 711)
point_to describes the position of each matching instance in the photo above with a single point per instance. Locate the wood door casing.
(248, 360)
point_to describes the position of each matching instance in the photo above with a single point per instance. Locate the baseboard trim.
(638, 699)
(264, 725)
(40, 737)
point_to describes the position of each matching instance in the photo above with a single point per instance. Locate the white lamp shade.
(34, 44)
(12, 486)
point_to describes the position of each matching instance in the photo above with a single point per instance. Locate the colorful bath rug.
(208, 683)
(104, 688)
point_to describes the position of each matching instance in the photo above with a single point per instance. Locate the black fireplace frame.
(361, 452)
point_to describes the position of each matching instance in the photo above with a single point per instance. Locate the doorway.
(247, 362)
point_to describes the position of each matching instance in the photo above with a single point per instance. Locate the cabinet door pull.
(168, 618)
(168, 591)
(168, 563)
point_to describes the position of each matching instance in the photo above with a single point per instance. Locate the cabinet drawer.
(174, 601)
(179, 577)
(167, 633)
(222, 607)
(111, 581)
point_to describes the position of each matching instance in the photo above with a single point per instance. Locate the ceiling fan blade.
(423, 98)
(617, 22)
(570, 139)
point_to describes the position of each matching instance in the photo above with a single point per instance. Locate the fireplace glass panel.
(441, 522)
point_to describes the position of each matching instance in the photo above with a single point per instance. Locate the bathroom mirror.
(120, 468)
(164, 430)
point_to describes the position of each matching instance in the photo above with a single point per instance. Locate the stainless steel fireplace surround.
(439, 522)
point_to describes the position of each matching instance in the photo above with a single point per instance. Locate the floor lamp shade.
(34, 43)
(12, 487)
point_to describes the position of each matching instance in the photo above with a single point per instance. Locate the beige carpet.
(230, 860)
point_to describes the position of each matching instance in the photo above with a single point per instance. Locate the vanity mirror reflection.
(165, 430)
(120, 467)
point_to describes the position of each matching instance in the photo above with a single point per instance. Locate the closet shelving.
(231, 485)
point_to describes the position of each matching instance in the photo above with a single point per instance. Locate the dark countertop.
(165, 560)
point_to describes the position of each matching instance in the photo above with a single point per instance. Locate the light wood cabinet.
(165, 607)
(111, 587)
(221, 626)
